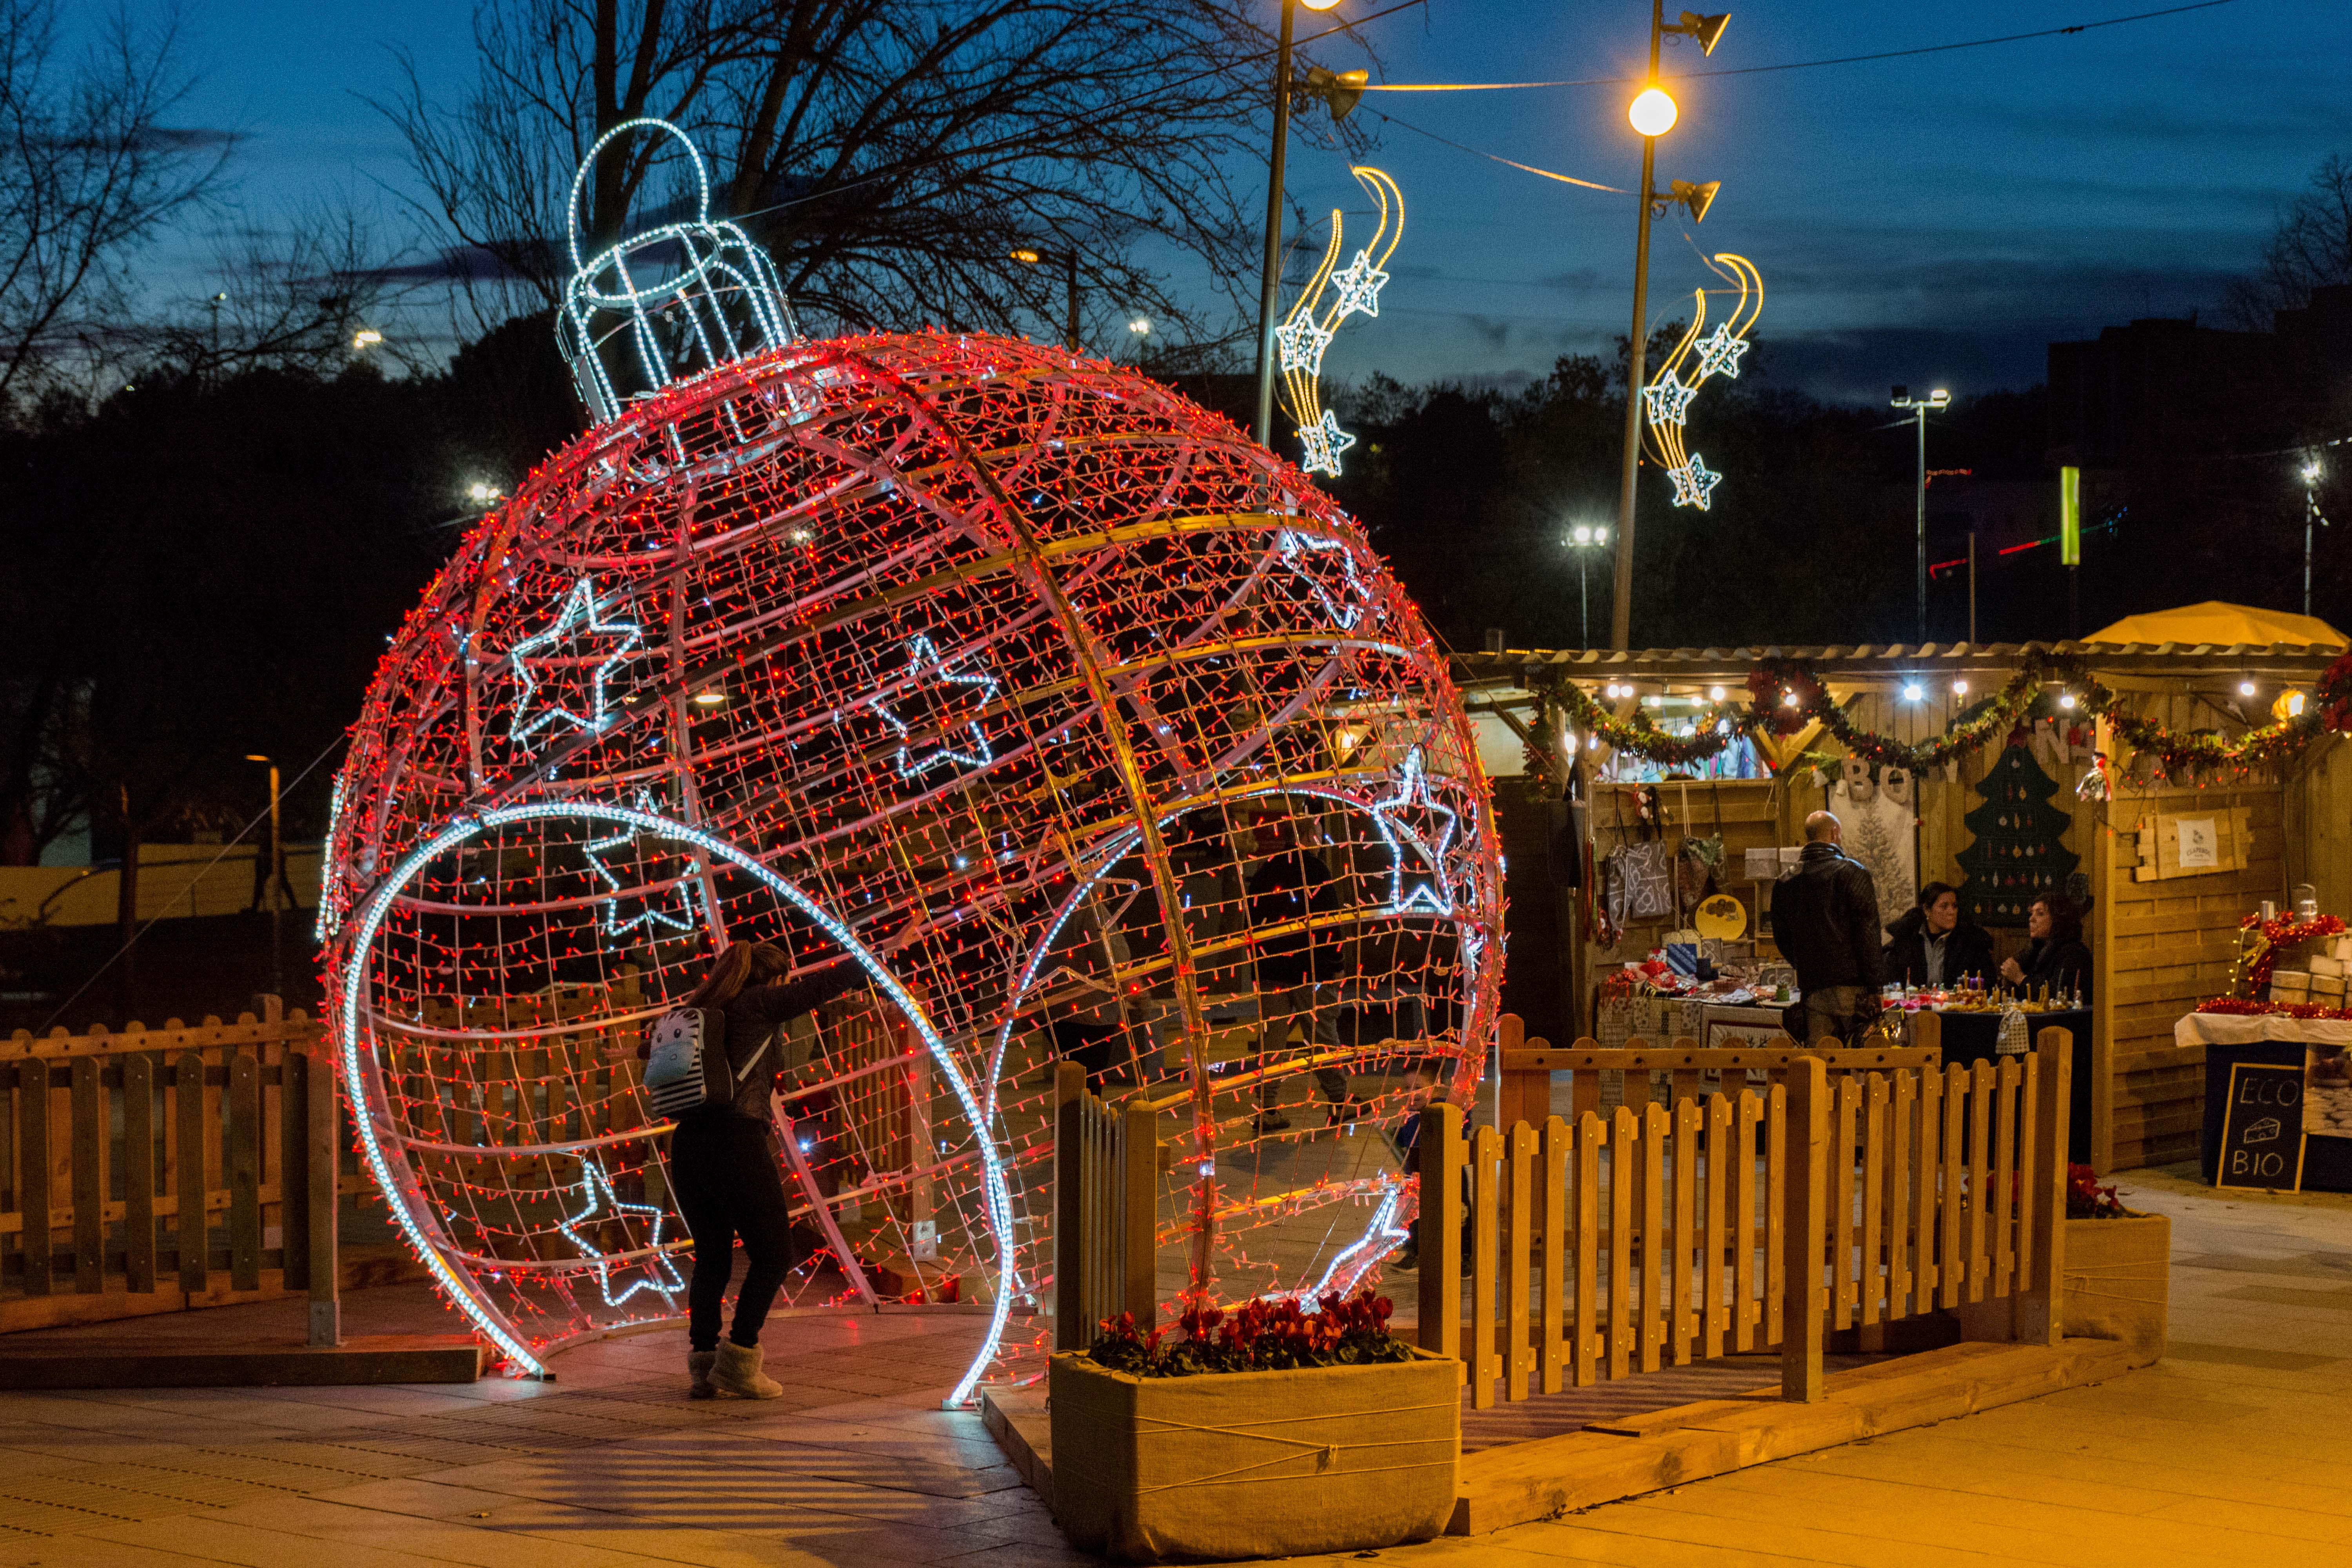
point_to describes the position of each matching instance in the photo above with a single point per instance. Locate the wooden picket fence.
(1106, 1181)
(158, 1169)
(1744, 1221)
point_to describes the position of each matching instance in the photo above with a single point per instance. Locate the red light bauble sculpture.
(993, 671)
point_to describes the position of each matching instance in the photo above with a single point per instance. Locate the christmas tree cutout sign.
(2016, 857)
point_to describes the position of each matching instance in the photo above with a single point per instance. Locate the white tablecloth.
(2252, 1028)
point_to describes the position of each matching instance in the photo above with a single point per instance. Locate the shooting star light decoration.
(1309, 328)
(1666, 400)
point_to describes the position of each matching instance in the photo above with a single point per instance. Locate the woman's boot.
(737, 1373)
(698, 1372)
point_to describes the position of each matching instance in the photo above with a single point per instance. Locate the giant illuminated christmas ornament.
(1044, 697)
(1309, 330)
(1666, 400)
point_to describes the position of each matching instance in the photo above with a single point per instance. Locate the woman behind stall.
(1929, 944)
(2056, 959)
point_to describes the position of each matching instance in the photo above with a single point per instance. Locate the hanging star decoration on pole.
(1667, 399)
(1721, 353)
(596, 1192)
(1430, 895)
(581, 617)
(1354, 290)
(652, 914)
(1692, 482)
(924, 662)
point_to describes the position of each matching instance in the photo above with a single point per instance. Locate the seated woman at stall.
(1930, 944)
(2057, 957)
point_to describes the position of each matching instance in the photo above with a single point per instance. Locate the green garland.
(1784, 695)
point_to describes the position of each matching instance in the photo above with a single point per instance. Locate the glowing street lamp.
(1652, 114)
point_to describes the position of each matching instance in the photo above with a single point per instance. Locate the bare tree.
(89, 172)
(2310, 249)
(891, 154)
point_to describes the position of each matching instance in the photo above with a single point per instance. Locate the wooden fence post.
(1438, 1151)
(33, 1171)
(194, 1222)
(2041, 1301)
(1069, 1207)
(1139, 1291)
(326, 1127)
(89, 1181)
(139, 1173)
(1808, 1199)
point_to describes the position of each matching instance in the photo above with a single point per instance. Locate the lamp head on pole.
(1693, 198)
(1652, 113)
(1708, 30)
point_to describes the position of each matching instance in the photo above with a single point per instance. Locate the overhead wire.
(1795, 65)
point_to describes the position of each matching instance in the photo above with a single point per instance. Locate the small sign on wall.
(2193, 846)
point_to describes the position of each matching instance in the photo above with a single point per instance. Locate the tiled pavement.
(611, 1465)
(2228, 1451)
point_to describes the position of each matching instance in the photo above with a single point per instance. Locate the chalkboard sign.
(2262, 1128)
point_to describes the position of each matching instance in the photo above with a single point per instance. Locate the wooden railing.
(1106, 1176)
(1747, 1221)
(158, 1169)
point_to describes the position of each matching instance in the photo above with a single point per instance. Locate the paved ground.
(2227, 1451)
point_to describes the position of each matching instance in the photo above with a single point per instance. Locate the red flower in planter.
(1259, 1335)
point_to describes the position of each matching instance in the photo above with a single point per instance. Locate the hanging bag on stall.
(1641, 872)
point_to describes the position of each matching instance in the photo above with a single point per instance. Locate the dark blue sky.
(1932, 219)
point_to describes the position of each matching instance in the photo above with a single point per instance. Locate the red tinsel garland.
(2241, 1007)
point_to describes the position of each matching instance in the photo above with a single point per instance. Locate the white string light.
(580, 609)
(921, 653)
(596, 1192)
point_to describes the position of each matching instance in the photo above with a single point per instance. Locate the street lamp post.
(1269, 296)
(277, 884)
(1653, 113)
(1584, 539)
(1069, 259)
(1939, 398)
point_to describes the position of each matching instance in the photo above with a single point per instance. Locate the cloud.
(1858, 364)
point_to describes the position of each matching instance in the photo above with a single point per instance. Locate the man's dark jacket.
(1825, 919)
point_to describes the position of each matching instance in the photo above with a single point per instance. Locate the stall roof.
(1891, 660)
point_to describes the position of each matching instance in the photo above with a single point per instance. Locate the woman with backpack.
(724, 1164)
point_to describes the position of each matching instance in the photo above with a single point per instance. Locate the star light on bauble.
(581, 615)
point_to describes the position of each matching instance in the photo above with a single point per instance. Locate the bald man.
(1825, 919)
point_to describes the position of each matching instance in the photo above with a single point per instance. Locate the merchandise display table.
(2271, 1039)
(1969, 1038)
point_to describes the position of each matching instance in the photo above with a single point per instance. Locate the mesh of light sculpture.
(1003, 674)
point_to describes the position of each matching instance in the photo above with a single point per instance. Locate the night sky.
(1933, 220)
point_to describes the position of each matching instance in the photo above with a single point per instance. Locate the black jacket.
(1288, 887)
(2062, 966)
(1968, 950)
(759, 1012)
(1825, 919)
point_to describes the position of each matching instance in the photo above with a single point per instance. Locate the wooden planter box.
(1254, 1464)
(2117, 1278)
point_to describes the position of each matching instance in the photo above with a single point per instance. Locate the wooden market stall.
(2162, 933)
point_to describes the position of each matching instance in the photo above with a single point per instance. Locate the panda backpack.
(686, 1062)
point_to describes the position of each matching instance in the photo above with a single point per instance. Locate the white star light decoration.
(1692, 482)
(684, 920)
(1294, 547)
(1431, 896)
(596, 1191)
(1322, 442)
(1359, 286)
(580, 615)
(1721, 353)
(1302, 343)
(1667, 397)
(1309, 330)
(923, 655)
